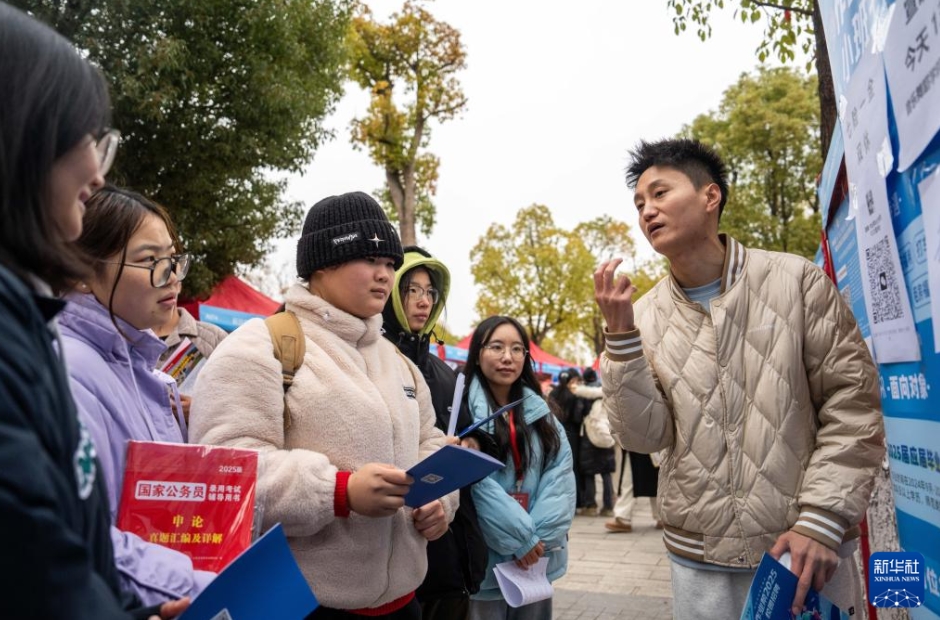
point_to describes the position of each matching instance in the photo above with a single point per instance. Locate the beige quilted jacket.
(768, 409)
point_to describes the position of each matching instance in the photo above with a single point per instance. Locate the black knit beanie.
(342, 228)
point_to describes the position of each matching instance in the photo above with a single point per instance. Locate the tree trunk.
(406, 220)
(828, 112)
(395, 190)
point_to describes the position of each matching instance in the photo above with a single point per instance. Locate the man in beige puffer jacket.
(753, 377)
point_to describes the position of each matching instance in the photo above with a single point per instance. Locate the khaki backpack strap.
(289, 348)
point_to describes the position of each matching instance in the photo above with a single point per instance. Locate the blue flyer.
(448, 469)
(772, 592)
(263, 582)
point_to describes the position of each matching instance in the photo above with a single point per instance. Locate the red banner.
(196, 499)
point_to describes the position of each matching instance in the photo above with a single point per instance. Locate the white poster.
(912, 63)
(929, 190)
(868, 160)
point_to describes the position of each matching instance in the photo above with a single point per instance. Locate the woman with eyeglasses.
(57, 558)
(526, 508)
(457, 560)
(112, 352)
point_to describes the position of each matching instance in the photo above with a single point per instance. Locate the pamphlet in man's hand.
(448, 469)
(263, 582)
(521, 586)
(772, 591)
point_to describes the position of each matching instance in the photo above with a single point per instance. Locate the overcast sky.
(557, 94)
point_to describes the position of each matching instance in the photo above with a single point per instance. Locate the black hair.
(53, 99)
(405, 282)
(543, 427)
(112, 216)
(408, 276)
(589, 375)
(696, 160)
(562, 396)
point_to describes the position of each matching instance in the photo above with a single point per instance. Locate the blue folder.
(448, 469)
(772, 591)
(263, 582)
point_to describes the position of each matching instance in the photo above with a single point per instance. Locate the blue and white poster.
(910, 390)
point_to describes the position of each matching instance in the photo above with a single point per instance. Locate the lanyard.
(516, 456)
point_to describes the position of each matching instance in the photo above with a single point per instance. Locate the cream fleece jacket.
(355, 400)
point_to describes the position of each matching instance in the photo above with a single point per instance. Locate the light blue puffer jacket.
(508, 530)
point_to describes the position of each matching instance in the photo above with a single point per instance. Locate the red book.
(196, 499)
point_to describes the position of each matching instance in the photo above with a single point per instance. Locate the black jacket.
(56, 560)
(456, 560)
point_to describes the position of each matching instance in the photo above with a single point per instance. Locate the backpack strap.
(289, 348)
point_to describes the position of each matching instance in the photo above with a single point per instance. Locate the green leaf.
(215, 99)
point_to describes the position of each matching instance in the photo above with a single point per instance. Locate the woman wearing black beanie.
(333, 471)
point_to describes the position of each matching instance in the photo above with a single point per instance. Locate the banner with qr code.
(891, 217)
(864, 119)
(199, 500)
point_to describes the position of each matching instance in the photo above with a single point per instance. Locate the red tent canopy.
(542, 357)
(231, 303)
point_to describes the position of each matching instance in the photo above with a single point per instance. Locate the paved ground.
(615, 576)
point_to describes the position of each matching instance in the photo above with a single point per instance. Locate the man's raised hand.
(614, 296)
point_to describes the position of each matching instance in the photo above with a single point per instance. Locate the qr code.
(883, 283)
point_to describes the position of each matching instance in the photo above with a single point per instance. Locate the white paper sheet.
(864, 120)
(520, 586)
(929, 190)
(912, 63)
(455, 405)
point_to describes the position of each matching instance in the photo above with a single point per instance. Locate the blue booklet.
(263, 582)
(448, 469)
(772, 591)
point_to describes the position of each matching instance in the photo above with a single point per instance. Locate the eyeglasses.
(516, 351)
(161, 268)
(417, 293)
(106, 148)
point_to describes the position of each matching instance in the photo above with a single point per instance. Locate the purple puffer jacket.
(119, 398)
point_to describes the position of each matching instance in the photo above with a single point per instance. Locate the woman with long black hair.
(526, 508)
(55, 148)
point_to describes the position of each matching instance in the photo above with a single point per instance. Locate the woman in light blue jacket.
(526, 508)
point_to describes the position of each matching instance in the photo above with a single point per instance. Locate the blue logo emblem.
(896, 579)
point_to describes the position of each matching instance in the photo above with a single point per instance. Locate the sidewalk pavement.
(615, 576)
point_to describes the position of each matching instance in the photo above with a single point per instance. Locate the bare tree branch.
(772, 5)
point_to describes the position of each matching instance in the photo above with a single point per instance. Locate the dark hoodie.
(457, 560)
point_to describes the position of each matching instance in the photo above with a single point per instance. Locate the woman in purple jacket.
(112, 353)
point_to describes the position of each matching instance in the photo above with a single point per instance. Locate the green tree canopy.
(766, 129)
(543, 275)
(211, 98)
(533, 271)
(410, 67)
(788, 25)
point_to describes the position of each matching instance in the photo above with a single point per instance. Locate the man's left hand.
(430, 520)
(813, 562)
